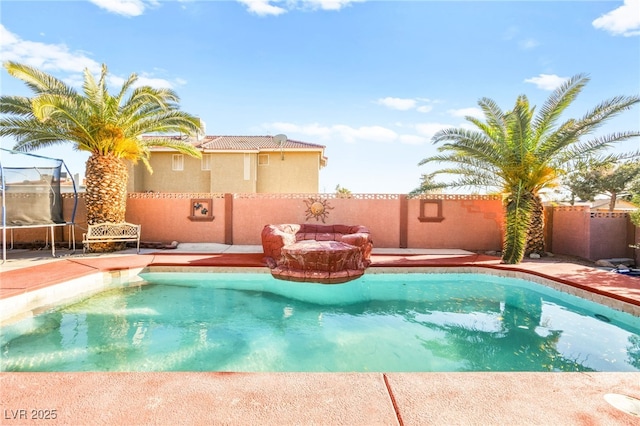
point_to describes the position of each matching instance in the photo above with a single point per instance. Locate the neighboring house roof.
(252, 143)
(602, 205)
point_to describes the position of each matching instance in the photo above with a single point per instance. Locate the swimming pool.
(381, 322)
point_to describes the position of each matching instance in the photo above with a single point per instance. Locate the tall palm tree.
(109, 127)
(520, 153)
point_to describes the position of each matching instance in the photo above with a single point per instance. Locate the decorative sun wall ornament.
(317, 208)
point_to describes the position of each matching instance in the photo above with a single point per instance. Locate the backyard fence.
(438, 221)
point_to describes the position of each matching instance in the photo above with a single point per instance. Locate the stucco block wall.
(470, 224)
(571, 231)
(592, 235)
(380, 214)
(165, 218)
(608, 236)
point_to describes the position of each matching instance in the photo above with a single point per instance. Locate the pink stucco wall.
(608, 236)
(380, 213)
(165, 217)
(464, 221)
(470, 222)
(571, 231)
(467, 223)
(592, 235)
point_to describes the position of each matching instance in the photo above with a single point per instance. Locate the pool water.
(380, 322)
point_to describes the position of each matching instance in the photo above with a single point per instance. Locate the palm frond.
(38, 81)
(557, 103)
(180, 146)
(91, 88)
(518, 138)
(493, 113)
(593, 147)
(15, 105)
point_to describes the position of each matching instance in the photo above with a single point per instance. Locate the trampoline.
(31, 195)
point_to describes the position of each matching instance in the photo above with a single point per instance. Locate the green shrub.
(635, 217)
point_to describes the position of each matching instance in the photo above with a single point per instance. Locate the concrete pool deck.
(311, 398)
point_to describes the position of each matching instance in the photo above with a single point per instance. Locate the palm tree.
(109, 127)
(521, 153)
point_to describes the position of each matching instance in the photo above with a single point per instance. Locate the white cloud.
(124, 7)
(46, 57)
(362, 134)
(546, 81)
(427, 130)
(349, 134)
(397, 103)
(158, 83)
(262, 7)
(412, 139)
(406, 104)
(424, 108)
(57, 58)
(624, 20)
(464, 112)
(336, 132)
(328, 4)
(267, 7)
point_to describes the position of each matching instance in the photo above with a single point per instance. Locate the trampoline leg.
(72, 237)
(53, 243)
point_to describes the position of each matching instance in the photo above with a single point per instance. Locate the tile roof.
(248, 143)
(245, 143)
(603, 204)
(252, 143)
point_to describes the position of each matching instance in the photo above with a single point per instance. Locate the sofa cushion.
(311, 228)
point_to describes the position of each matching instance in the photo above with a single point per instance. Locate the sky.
(372, 81)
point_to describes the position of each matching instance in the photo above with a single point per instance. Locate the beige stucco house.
(234, 164)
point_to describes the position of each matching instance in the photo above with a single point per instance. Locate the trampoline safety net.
(31, 195)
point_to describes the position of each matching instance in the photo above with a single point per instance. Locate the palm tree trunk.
(535, 233)
(519, 205)
(106, 194)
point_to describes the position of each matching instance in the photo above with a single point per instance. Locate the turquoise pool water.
(381, 322)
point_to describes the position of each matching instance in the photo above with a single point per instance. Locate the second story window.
(206, 162)
(177, 162)
(263, 159)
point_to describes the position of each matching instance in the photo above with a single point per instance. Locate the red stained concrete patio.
(313, 398)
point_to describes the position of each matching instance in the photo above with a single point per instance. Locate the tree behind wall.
(604, 177)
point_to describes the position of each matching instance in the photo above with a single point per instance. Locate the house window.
(177, 162)
(206, 162)
(263, 159)
(247, 167)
